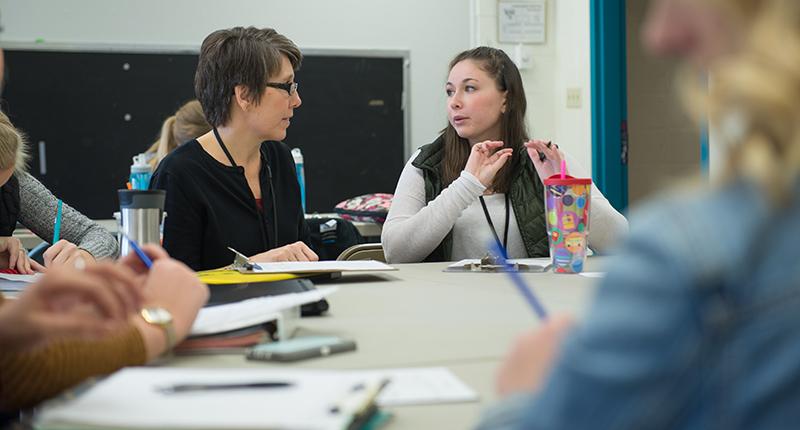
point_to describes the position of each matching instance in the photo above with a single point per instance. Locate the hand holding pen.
(532, 354)
(546, 157)
(151, 252)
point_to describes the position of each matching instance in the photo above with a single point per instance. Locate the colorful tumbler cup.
(567, 204)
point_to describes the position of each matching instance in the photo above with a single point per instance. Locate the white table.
(421, 316)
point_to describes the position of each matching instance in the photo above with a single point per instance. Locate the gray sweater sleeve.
(38, 211)
(414, 228)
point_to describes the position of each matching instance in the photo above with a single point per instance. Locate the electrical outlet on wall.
(574, 98)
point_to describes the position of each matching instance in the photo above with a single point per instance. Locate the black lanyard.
(224, 148)
(271, 191)
(491, 224)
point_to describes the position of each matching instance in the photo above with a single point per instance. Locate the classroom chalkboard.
(87, 112)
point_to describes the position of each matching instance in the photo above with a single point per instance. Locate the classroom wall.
(663, 141)
(562, 62)
(433, 31)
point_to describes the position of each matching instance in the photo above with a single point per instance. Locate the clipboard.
(489, 264)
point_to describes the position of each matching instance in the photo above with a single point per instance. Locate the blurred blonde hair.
(187, 123)
(13, 148)
(755, 101)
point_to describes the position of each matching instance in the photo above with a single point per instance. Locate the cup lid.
(568, 180)
(141, 199)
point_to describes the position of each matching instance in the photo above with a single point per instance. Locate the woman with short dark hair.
(235, 186)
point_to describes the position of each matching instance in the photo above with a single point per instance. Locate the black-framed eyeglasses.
(290, 88)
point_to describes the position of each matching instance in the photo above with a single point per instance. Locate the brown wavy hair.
(754, 101)
(246, 56)
(514, 131)
(13, 146)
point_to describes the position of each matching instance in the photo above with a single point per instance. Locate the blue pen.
(142, 256)
(518, 281)
(57, 225)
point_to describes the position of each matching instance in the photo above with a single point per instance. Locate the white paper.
(521, 21)
(420, 386)
(14, 282)
(593, 274)
(131, 399)
(322, 266)
(540, 262)
(246, 313)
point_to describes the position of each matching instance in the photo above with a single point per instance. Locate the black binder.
(222, 294)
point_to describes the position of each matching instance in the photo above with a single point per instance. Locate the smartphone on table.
(300, 348)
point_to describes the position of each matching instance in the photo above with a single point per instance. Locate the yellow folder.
(228, 276)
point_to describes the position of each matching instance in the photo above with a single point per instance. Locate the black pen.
(183, 388)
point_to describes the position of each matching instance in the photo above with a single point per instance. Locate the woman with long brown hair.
(482, 170)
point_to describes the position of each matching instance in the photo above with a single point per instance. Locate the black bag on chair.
(331, 236)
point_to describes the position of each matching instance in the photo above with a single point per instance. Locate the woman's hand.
(532, 356)
(69, 303)
(297, 251)
(135, 263)
(550, 163)
(66, 253)
(171, 285)
(14, 256)
(485, 160)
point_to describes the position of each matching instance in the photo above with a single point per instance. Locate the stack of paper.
(233, 316)
(141, 398)
(322, 266)
(422, 386)
(13, 282)
(525, 264)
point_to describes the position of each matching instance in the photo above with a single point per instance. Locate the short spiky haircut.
(239, 56)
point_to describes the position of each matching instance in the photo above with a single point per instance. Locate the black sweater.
(210, 206)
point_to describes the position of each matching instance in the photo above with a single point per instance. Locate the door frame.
(609, 100)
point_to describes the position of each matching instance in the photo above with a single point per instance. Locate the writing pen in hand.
(185, 388)
(57, 222)
(142, 256)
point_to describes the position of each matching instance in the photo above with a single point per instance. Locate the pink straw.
(563, 169)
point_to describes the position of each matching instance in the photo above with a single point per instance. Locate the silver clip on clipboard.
(241, 263)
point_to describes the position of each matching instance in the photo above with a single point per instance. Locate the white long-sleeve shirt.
(413, 229)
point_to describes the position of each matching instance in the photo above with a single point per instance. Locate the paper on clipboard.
(523, 265)
(305, 403)
(246, 313)
(322, 267)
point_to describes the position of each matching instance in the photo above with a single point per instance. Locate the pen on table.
(57, 222)
(142, 256)
(516, 278)
(184, 388)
